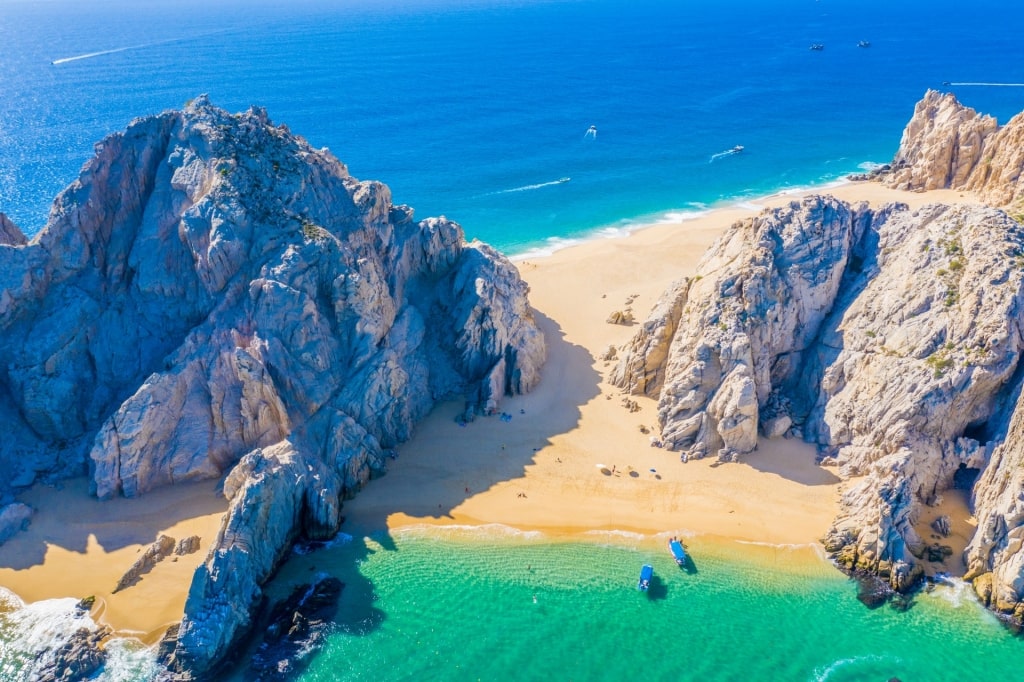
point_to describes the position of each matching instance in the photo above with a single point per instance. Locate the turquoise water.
(475, 110)
(458, 604)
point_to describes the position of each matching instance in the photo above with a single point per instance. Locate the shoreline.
(626, 227)
(571, 460)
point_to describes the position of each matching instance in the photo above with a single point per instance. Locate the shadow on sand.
(68, 517)
(503, 446)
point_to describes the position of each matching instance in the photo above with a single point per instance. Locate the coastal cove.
(546, 473)
(389, 339)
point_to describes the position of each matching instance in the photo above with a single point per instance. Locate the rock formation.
(161, 548)
(14, 517)
(890, 338)
(214, 295)
(948, 145)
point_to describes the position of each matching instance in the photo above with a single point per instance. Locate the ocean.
(480, 111)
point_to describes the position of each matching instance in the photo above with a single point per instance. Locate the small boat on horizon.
(678, 552)
(863, 43)
(817, 47)
(737, 149)
(564, 179)
(646, 573)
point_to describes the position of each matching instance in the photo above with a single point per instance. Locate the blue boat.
(676, 547)
(646, 573)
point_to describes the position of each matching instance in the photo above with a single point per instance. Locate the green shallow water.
(458, 604)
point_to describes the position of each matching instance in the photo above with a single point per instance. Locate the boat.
(737, 149)
(678, 553)
(564, 179)
(863, 43)
(817, 47)
(646, 573)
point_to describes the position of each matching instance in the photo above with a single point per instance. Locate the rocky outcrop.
(77, 659)
(918, 358)
(995, 556)
(296, 627)
(948, 145)
(890, 338)
(214, 295)
(718, 348)
(14, 518)
(161, 548)
(10, 234)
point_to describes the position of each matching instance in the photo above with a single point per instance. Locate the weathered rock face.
(918, 357)
(718, 348)
(10, 235)
(995, 557)
(214, 290)
(890, 338)
(948, 145)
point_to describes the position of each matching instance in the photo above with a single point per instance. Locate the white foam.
(488, 530)
(821, 674)
(954, 591)
(623, 228)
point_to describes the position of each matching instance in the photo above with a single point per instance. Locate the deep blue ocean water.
(475, 110)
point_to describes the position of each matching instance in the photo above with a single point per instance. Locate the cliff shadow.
(444, 465)
(70, 518)
(791, 459)
(448, 461)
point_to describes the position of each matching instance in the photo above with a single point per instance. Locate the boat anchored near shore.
(646, 573)
(678, 551)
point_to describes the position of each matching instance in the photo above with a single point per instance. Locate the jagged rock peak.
(213, 295)
(947, 145)
(717, 347)
(10, 234)
(890, 338)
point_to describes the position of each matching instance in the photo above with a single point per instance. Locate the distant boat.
(863, 43)
(737, 149)
(564, 179)
(678, 553)
(646, 573)
(817, 47)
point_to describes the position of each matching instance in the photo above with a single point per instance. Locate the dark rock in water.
(297, 626)
(872, 591)
(79, 658)
(86, 603)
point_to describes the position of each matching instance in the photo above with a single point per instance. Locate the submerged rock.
(296, 627)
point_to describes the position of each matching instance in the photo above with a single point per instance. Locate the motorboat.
(646, 573)
(678, 552)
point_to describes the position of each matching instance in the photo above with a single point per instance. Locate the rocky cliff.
(214, 295)
(890, 338)
(948, 145)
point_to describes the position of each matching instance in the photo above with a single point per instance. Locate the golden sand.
(572, 458)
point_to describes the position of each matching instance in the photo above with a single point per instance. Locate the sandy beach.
(570, 458)
(78, 546)
(573, 458)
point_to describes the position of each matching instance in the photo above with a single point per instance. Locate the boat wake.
(527, 188)
(728, 152)
(991, 85)
(90, 55)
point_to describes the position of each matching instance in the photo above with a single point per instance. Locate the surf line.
(994, 85)
(90, 55)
